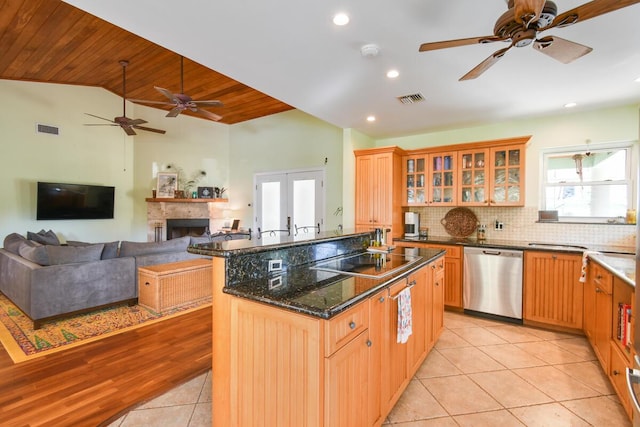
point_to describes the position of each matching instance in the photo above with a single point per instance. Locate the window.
(591, 183)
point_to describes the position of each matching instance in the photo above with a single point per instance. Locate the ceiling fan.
(182, 102)
(127, 124)
(522, 22)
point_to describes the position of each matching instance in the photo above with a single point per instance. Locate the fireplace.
(186, 227)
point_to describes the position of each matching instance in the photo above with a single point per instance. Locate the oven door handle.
(633, 376)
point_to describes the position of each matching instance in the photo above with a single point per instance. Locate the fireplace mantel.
(173, 200)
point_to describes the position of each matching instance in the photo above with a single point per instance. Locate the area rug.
(23, 343)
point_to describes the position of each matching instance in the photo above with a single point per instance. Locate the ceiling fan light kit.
(521, 24)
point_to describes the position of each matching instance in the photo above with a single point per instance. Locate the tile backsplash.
(521, 224)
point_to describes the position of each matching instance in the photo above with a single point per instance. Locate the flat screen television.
(74, 201)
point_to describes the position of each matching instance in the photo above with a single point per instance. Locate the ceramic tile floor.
(480, 373)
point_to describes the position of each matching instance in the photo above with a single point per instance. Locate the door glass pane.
(478, 195)
(466, 161)
(466, 194)
(466, 177)
(270, 206)
(410, 181)
(420, 196)
(500, 158)
(479, 177)
(514, 193)
(514, 157)
(304, 203)
(448, 178)
(420, 165)
(420, 179)
(410, 164)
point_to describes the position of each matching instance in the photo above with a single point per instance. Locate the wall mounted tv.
(74, 201)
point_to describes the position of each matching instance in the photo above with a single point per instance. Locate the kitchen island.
(306, 347)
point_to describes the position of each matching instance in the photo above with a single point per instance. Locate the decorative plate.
(460, 222)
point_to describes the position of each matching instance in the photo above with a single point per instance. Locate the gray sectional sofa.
(48, 280)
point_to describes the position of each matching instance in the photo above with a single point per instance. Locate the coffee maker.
(411, 224)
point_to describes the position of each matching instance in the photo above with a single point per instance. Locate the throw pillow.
(110, 250)
(44, 237)
(74, 254)
(145, 248)
(34, 252)
(13, 242)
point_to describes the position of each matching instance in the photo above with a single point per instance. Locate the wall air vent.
(411, 99)
(51, 130)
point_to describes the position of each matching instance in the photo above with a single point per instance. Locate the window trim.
(630, 181)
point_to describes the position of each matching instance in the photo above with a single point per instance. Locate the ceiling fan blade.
(561, 50)
(207, 114)
(135, 122)
(589, 10)
(166, 93)
(150, 129)
(207, 103)
(128, 130)
(174, 112)
(485, 65)
(460, 42)
(98, 117)
(144, 101)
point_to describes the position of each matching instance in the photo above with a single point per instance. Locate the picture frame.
(167, 185)
(205, 192)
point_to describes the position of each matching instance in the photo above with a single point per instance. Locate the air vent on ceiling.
(411, 99)
(51, 130)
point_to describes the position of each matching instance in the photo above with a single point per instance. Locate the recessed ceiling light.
(570, 105)
(371, 119)
(341, 19)
(392, 74)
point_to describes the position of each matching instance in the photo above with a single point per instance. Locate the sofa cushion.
(44, 237)
(144, 248)
(34, 252)
(13, 241)
(74, 254)
(110, 250)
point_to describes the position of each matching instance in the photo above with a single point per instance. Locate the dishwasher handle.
(497, 253)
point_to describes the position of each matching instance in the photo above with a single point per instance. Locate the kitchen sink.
(371, 265)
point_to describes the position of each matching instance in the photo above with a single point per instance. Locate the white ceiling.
(291, 50)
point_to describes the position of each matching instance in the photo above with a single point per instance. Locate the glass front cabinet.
(442, 179)
(414, 180)
(473, 167)
(507, 176)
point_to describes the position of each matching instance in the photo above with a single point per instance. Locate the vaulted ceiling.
(52, 41)
(272, 56)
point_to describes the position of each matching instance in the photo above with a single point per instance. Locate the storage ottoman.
(165, 286)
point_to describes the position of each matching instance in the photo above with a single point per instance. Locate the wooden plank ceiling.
(51, 41)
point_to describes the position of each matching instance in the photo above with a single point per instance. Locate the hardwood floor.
(94, 384)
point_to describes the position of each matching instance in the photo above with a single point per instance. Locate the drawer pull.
(352, 325)
(147, 284)
(369, 343)
(616, 372)
(381, 299)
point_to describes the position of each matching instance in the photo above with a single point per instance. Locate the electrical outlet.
(499, 225)
(275, 265)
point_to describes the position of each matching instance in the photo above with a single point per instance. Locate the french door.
(289, 203)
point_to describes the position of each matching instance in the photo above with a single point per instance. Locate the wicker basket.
(460, 222)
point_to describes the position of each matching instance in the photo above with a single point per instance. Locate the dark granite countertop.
(523, 245)
(268, 243)
(320, 293)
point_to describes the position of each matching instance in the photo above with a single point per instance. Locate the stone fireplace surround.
(159, 210)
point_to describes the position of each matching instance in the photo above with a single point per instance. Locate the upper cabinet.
(378, 189)
(507, 176)
(489, 173)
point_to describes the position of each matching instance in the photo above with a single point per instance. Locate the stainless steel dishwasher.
(492, 282)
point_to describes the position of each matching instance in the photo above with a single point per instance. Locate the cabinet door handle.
(369, 343)
(381, 299)
(352, 325)
(616, 372)
(147, 284)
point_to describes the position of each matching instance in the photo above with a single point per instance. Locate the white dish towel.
(404, 315)
(585, 263)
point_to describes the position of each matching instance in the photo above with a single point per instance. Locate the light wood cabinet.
(452, 266)
(553, 294)
(473, 177)
(276, 367)
(442, 179)
(603, 288)
(438, 292)
(488, 173)
(507, 176)
(622, 352)
(379, 190)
